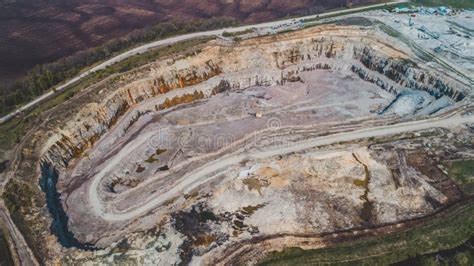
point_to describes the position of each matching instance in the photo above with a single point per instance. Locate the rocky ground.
(228, 151)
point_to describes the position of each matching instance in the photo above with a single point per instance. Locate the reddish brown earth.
(36, 32)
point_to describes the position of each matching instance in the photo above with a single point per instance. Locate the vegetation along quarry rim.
(315, 134)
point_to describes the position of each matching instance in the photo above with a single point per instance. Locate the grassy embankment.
(463, 173)
(43, 78)
(438, 234)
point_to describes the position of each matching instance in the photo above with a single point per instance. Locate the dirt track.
(253, 249)
(36, 32)
(147, 47)
(193, 179)
(23, 253)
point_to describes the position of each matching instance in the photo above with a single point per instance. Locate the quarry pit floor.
(305, 134)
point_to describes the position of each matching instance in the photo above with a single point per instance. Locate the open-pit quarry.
(226, 152)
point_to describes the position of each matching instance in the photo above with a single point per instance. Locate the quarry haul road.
(173, 40)
(195, 178)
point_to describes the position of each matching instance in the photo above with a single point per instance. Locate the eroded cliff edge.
(216, 69)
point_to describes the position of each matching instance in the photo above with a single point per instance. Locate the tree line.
(44, 77)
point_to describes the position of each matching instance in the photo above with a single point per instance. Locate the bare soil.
(42, 31)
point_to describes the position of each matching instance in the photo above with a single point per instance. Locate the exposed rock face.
(253, 63)
(98, 118)
(320, 193)
(407, 75)
(279, 88)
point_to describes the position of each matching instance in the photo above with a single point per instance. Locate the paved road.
(195, 178)
(173, 40)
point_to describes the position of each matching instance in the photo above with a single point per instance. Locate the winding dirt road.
(173, 40)
(203, 174)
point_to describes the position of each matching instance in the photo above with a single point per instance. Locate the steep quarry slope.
(268, 61)
(38, 32)
(202, 150)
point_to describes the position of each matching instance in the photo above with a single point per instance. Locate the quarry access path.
(169, 41)
(22, 252)
(195, 178)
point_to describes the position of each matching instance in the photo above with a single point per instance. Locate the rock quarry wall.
(266, 61)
